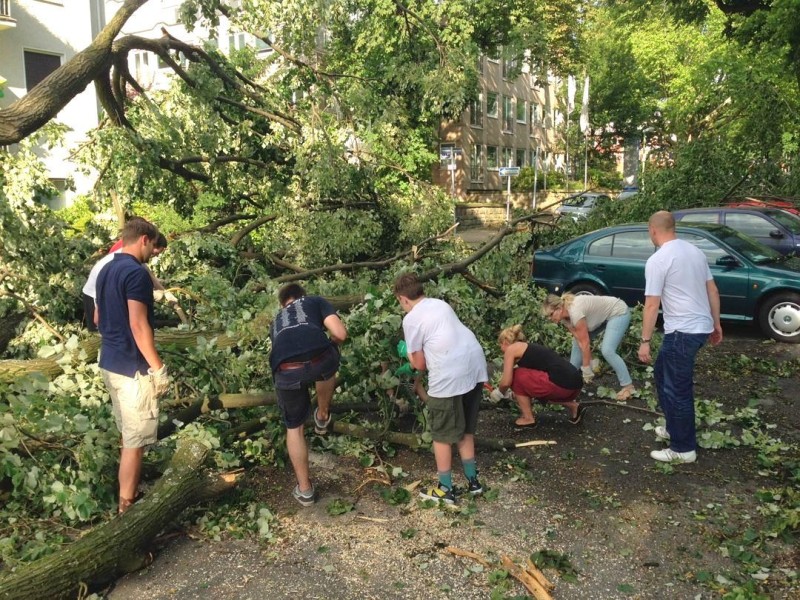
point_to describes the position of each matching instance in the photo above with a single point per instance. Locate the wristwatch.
(645, 341)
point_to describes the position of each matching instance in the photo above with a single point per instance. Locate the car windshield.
(577, 201)
(750, 248)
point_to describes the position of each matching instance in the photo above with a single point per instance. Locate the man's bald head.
(662, 221)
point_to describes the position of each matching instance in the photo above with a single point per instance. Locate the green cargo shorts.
(450, 418)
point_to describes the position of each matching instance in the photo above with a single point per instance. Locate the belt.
(288, 366)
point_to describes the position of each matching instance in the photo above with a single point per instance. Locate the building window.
(476, 163)
(476, 112)
(507, 159)
(510, 68)
(141, 64)
(536, 114)
(520, 157)
(491, 105)
(491, 158)
(521, 111)
(508, 114)
(39, 65)
(480, 64)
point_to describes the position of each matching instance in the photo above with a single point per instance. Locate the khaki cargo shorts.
(451, 417)
(135, 407)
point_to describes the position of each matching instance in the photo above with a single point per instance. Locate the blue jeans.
(674, 373)
(615, 329)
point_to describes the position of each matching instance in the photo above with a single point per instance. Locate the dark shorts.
(536, 384)
(450, 418)
(291, 385)
(88, 312)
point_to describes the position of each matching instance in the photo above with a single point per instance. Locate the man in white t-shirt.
(437, 341)
(678, 279)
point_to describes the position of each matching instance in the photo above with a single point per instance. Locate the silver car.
(580, 205)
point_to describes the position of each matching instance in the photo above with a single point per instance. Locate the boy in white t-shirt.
(437, 341)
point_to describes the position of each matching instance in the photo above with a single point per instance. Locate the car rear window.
(627, 244)
(705, 217)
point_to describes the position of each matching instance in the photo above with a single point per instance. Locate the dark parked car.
(772, 227)
(755, 283)
(580, 205)
(783, 204)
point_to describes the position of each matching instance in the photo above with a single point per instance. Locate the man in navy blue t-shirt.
(303, 354)
(129, 363)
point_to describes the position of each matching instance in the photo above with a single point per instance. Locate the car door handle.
(599, 268)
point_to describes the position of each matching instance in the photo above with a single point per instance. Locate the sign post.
(508, 172)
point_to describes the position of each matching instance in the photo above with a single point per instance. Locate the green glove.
(405, 370)
(402, 349)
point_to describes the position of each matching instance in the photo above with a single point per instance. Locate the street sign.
(509, 171)
(451, 166)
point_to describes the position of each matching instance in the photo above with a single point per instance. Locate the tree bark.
(119, 546)
(50, 367)
(44, 101)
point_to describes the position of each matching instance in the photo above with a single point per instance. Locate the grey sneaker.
(662, 433)
(307, 497)
(669, 455)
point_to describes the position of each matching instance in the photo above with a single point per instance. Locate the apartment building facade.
(37, 37)
(513, 120)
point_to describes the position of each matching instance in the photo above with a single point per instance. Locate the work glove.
(587, 373)
(496, 395)
(405, 370)
(160, 295)
(402, 349)
(160, 380)
(595, 364)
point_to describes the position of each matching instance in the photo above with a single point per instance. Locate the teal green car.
(755, 283)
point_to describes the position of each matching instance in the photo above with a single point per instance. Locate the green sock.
(470, 468)
(446, 479)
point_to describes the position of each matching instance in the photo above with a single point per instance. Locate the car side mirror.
(776, 233)
(727, 261)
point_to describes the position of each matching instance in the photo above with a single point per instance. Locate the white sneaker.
(662, 433)
(669, 455)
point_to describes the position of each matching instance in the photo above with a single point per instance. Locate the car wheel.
(585, 289)
(779, 317)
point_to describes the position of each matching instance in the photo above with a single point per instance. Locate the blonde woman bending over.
(586, 317)
(533, 371)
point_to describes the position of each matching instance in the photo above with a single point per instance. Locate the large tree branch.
(214, 225)
(375, 264)
(245, 231)
(461, 266)
(44, 101)
(166, 43)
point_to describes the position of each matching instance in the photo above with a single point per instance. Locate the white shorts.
(135, 407)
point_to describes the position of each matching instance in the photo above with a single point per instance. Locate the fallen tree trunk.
(90, 348)
(412, 440)
(119, 546)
